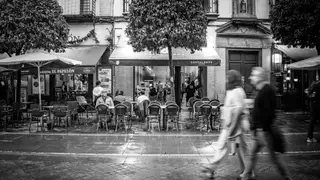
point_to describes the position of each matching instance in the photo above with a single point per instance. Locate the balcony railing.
(76, 7)
(211, 6)
(126, 6)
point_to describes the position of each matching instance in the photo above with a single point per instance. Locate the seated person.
(139, 106)
(104, 99)
(120, 97)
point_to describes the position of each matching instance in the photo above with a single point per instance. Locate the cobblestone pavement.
(94, 156)
(29, 167)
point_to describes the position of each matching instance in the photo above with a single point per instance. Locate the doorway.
(243, 61)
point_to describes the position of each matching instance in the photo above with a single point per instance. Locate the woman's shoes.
(208, 172)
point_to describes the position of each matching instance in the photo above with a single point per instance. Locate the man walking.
(263, 116)
(314, 94)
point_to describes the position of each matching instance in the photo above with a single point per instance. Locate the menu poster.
(105, 77)
(35, 84)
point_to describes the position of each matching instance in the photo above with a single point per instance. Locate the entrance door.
(243, 61)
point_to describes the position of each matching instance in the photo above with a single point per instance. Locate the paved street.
(166, 156)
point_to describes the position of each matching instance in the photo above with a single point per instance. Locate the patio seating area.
(81, 117)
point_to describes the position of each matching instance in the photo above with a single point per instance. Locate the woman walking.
(231, 117)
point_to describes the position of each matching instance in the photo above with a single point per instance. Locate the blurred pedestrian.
(190, 90)
(96, 92)
(234, 107)
(314, 96)
(263, 116)
(152, 93)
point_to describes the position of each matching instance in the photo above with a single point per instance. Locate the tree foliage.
(31, 24)
(157, 24)
(297, 22)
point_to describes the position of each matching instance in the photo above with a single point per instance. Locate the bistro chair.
(40, 117)
(155, 102)
(5, 113)
(72, 107)
(61, 113)
(205, 115)
(172, 115)
(84, 106)
(121, 115)
(154, 114)
(115, 102)
(196, 111)
(191, 101)
(129, 110)
(215, 105)
(170, 102)
(205, 99)
(103, 116)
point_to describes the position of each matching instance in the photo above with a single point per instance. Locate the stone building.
(238, 31)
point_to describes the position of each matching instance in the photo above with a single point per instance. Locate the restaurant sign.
(75, 70)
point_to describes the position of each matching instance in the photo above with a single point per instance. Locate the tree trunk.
(171, 67)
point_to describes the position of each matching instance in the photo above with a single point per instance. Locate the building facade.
(238, 30)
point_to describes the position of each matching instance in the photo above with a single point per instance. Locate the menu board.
(35, 84)
(105, 77)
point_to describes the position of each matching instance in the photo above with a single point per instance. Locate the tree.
(31, 24)
(296, 22)
(158, 24)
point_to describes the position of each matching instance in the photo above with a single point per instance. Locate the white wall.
(225, 8)
(262, 9)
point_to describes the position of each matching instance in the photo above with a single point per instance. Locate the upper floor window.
(126, 5)
(243, 8)
(211, 6)
(76, 7)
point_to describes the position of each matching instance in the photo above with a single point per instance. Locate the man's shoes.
(313, 140)
(251, 177)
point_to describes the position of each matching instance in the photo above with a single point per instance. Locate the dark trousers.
(264, 139)
(314, 114)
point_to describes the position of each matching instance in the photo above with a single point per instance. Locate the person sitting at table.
(96, 92)
(139, 106)
(104, 99)
(120, 97)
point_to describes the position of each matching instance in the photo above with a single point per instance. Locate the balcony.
(77, 7)
(211, 7)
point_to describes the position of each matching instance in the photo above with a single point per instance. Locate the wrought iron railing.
(211, 6)
(126, 5)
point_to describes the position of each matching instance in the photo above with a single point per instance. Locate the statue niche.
(243, 6)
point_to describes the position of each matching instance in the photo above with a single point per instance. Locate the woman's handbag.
(245, 123)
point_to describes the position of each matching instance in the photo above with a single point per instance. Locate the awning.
(307, 64)
(125, 56)
(297, 53)
(88, 55)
